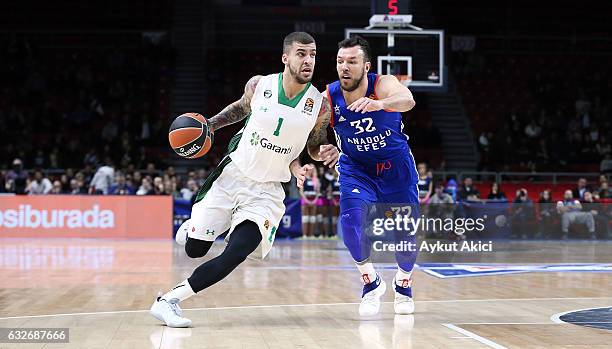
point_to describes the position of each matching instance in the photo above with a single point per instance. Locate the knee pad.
(197, 248)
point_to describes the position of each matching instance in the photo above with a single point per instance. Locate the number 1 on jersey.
(278, 127)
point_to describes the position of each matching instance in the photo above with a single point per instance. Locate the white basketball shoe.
(169, 312)
(403, 303)
(370, 299)
(181, 233)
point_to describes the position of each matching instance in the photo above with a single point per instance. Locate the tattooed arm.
(238, 110)
(319, 148)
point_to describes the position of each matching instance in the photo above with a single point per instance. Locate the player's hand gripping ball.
(190, 135)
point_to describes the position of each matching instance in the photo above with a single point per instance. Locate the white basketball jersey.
(276, 131)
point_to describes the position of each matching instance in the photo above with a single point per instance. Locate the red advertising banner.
(86, 216)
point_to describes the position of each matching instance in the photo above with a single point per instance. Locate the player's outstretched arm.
(238, 110)
(319, 148)
(392, 96)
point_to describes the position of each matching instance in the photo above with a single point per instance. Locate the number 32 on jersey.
(367, 125)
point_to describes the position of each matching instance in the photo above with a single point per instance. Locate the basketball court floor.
(305, 295)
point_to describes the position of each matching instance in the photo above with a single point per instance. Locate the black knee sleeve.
(197, 248)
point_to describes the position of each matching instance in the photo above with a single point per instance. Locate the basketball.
(190, 136)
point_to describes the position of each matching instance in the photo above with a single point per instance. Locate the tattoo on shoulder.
(239, 109)
(250, 86)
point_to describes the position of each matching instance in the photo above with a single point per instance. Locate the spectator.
(57, 188)
(40, 184)
(468, 191)
(102, 180)
(581, 188)
(599, 213)
(15, 180)
(77, 187)
(496, 193)
(604, 192)
(170, 188)
(425, 183)
(570, 211)
(441, 206)
(65, 182)
(451, 188)
(522, 214)
(191, 190)
(121, 187)
(547, 214)
(440, 197)
(146, 188)
(158, 186)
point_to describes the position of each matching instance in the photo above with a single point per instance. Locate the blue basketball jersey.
(369, 138)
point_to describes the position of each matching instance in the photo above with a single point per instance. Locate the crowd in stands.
(106, 179)
(587, 207)
(58, 104)
(537, 113)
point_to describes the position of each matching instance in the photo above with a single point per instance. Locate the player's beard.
(352, 87)
(296, 75)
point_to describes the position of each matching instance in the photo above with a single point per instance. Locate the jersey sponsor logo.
(308, 106)
(210, 232)
(254, 138)
(267, 224)
(365, 144)
(341, 118)
(267, 144)
(356, 191)
(267, 93)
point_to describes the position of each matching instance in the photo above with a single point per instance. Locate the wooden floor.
(304, 296)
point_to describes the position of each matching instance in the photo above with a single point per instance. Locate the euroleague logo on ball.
(194, 148)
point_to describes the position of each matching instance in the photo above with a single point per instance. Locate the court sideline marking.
(303, 305)
(489, 343)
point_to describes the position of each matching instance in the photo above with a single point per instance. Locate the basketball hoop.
(404, 79)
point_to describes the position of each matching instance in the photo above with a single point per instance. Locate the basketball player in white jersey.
(243, 195)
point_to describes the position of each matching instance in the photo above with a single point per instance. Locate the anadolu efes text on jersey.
(276, 131)
(370, 136)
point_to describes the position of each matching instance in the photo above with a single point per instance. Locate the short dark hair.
(300, 37)
(357, 41)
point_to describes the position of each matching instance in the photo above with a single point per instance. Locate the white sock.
(403, 279)
(181, 291)
(368, 274)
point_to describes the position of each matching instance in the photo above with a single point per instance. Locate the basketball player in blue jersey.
(375, 165)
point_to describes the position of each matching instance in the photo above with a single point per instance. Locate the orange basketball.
(190, 135)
